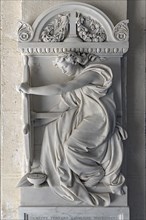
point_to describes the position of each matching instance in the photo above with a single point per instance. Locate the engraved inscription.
(73, 218)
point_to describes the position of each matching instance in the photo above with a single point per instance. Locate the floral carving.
(121, 31)
(57, 30)
(90, 30)
(25, 31)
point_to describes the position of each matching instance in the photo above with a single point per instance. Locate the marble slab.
(44, 196)
(74, 213)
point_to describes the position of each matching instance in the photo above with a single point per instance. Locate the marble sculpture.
(82, 145)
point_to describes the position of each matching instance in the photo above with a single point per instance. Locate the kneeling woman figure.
(82, 148)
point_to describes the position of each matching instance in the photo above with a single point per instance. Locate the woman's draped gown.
(82, 148)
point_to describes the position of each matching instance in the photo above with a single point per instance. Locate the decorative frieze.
(72, 30)
(54, 50)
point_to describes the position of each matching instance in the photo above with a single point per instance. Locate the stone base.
(44, 196)
(74, 213)
(43, 204)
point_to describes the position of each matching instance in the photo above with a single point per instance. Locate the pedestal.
(43, 204)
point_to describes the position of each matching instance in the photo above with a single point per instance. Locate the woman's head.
(70, 62)
(67, 62)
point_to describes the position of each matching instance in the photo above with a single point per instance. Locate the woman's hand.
(24, 87)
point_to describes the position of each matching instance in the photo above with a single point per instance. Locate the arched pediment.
(75, 23)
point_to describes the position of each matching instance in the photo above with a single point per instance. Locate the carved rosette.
(25, 32)
(121, 31)
(56, 31)
(90, 30)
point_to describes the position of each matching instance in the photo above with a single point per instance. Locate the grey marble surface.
(74, 213)
(43, 196)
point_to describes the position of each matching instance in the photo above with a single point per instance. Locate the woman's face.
(67, 68)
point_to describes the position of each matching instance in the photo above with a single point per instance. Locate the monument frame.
(33, 44)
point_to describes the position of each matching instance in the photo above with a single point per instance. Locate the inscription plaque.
(73, 218)
(74, 213)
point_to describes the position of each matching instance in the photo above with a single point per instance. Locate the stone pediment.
(74, 27)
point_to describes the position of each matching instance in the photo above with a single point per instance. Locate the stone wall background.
(136, 110)
(11, 110)
(11, 105)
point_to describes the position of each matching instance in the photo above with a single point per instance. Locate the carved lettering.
(72, 218)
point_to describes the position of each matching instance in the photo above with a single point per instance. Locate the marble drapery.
(82, 147)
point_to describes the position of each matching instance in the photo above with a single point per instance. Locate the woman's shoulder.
(97, 66)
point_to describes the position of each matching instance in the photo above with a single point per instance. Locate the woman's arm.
(57, 89)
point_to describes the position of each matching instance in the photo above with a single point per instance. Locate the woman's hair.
(75, 58)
